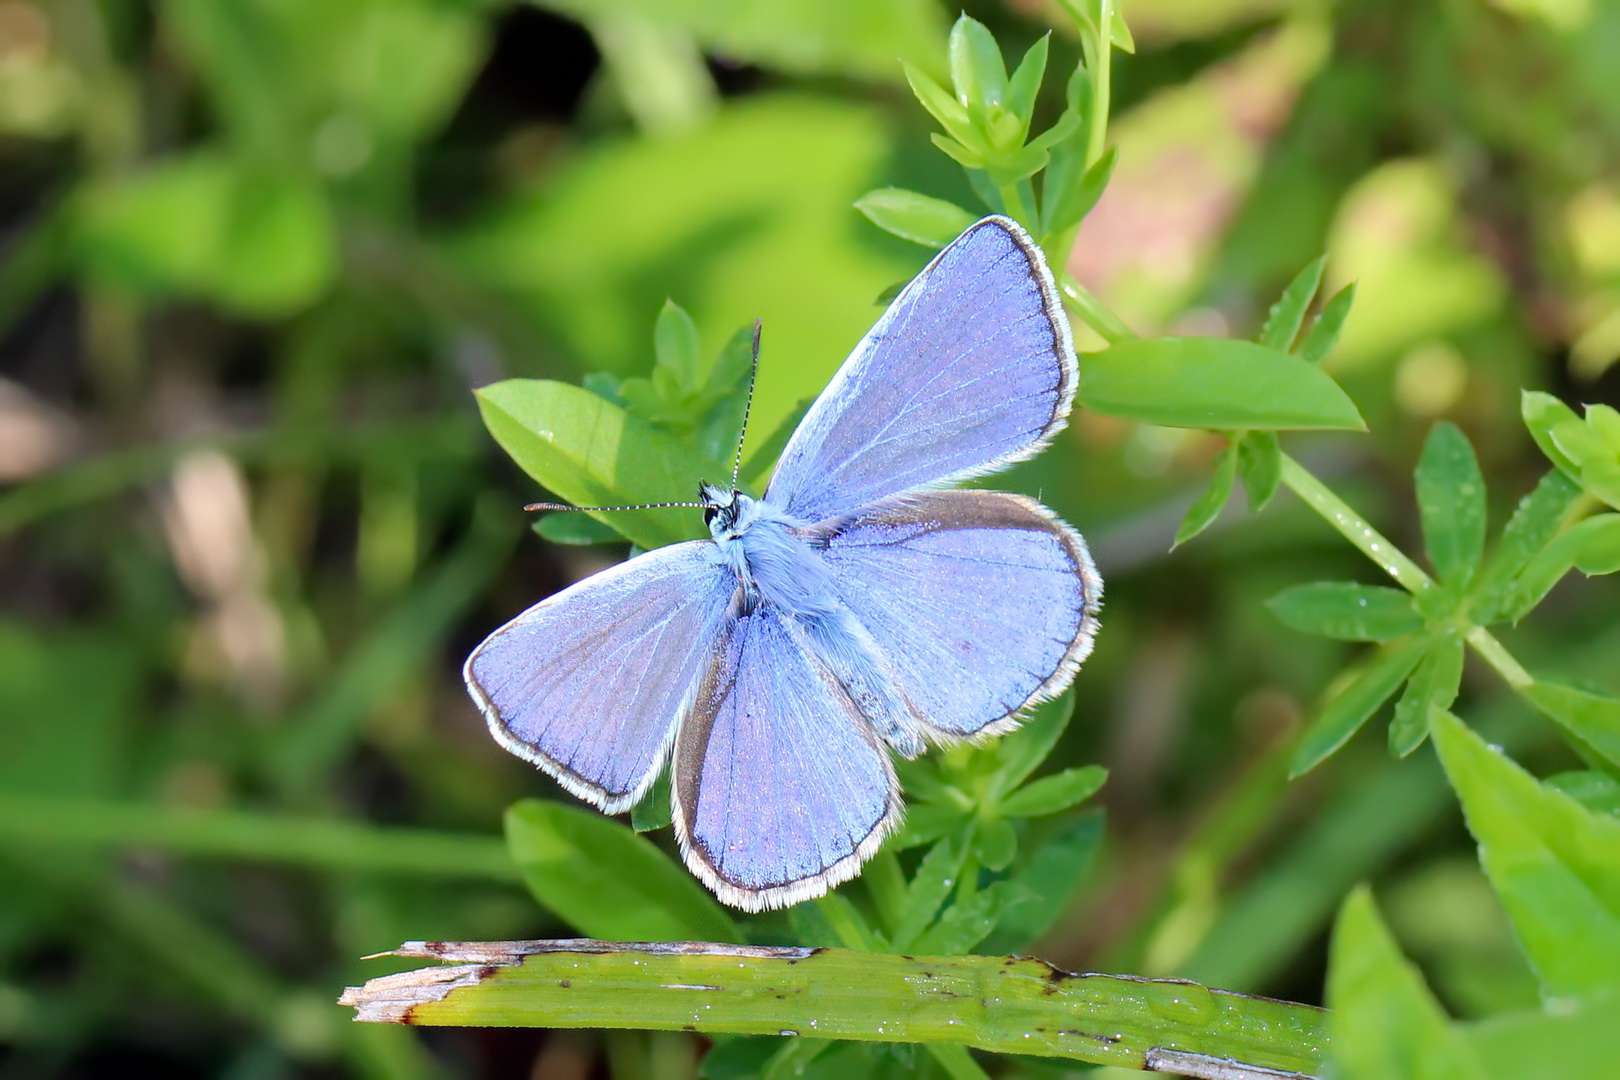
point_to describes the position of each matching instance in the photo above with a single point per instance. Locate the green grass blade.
(998, 1003)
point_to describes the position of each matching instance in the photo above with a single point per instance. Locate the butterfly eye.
(708, 514)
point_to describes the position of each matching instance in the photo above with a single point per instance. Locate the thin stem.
(1494, 653)
(1101, 63)
(1017, 206)
(847, 923)
(1354, 528)
(888, 884)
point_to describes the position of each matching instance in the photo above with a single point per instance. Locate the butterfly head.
(724, 509)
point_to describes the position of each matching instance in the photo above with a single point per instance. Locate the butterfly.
(859, 606)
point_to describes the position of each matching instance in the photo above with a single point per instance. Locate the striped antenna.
(637, 506)
(748, 405)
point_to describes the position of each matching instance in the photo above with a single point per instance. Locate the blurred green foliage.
(255, 256)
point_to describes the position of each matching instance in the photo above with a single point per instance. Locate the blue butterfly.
(858, 606)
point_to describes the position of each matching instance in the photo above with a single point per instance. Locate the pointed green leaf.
(1592, 546)
(1324, 332)
(1597, 791)
(654, 811)
(1067, 202)
(1542, 413)
(915, 217)
(995, 843)
(1025, 83)
(977, 70)
(969, 157)
(1057, 792)
(1052, 878)
(1208, 506)
(1347, 611)
(593, 453)
(936, 99)
(1260, 465)
(1384, 1022)
(934, 881)
(1554, 863)
(1022, 752)
(1213, 383)
(675, 343)
(969, 922)
(1287, 315)
(1433, 686)
(1534, 523)
(1451, 503)
(1594, 719)
(606, 881)
(1344, 714)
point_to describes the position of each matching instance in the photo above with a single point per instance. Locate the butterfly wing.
(781, 790)
(591, 683)
(971, 368)
(982, 602)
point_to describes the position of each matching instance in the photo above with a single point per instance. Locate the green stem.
(1354, 528)
(888, 884)
(1494, 653)
(847, 923)
(998, 1003)
(1101, 80)
(1092, 312)
(1017, 206)
(334, 844)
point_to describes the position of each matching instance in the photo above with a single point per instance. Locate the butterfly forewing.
(590, 683)
(969, 369)
(982, 602)
(781, 790)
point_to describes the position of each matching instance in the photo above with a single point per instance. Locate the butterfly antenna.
(748, 405)
(637, 506)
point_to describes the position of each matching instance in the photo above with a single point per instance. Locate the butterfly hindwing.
(982, 602)
(781, 789)
(970, 368)
(591, 683)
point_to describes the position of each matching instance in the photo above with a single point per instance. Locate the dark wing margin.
(591, 684)
(969, 370)
(983, 603)
(781, 789)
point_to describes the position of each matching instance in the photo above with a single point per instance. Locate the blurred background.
(254, 254)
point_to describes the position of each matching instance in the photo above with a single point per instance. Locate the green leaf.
(1594, 719)
(1260, 465)
(915, 217)
(1451, 503)
(1542, 413)
(1347, 611)
(1057, 792)
(606, 881)
(1208, 506)
(1067, 201)
(977, 70)
(1287, 315)
(1552, 1043)
(1597, 791)
(1535, 521)
(591, 452)
(1344, 713)
(995, 843)
(1554, 864)
(1021, 752)
(654, 811)
(934, 880)
(1384, 1022)
(575, 529)
(1324, 332)
(966, 923)
(1051, 880)
(937, 100)
(1591, 546)
(1433, 686)
(675, 343)
(1213, 383)
(1025, 83)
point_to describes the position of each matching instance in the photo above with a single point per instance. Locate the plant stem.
(1101, 63)
(998, 1003)
(847, 923)
(1354, 528)
(1495, 654)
